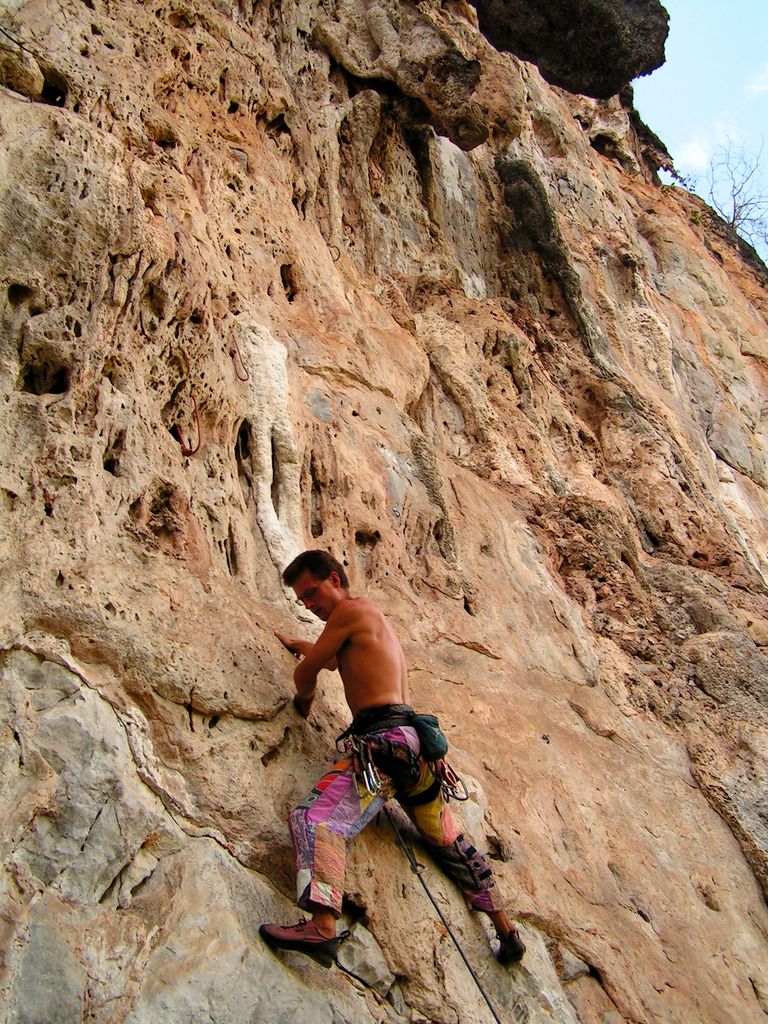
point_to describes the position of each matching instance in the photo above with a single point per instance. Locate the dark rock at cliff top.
(594, 47)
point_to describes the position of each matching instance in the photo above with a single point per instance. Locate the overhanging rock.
(594, 47)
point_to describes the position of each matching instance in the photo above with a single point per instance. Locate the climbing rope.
(367, 778)
(418, 870)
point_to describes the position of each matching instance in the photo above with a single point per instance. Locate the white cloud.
(758, 83)
(725, 132)
(694, 154)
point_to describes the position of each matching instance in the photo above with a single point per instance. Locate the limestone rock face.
(595, 47)
(276, 276)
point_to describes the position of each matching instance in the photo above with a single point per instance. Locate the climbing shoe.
(511, 948)
(303, 938)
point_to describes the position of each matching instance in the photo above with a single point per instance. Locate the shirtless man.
(359, 642)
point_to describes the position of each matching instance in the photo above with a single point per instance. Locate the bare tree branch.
(738, 192)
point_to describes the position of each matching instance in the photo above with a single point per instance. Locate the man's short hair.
(319, 564)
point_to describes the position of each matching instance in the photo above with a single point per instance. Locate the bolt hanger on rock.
(235, 352)
(185, 449)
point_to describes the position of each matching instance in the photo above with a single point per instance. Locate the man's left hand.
(303, 705)
(289, 644)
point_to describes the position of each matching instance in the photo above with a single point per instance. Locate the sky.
(713, 87)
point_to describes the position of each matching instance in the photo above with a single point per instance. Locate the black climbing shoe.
(511, 948)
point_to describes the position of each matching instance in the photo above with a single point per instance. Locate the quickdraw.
(452, 785)
(367, 778)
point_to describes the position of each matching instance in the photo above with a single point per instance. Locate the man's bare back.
(371, 662)
(357, 640)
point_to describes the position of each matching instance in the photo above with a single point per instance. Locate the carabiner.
(372, 778)
(450, 782)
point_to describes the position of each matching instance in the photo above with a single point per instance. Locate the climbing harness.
(180, 437)
(235, 351)
(418, 870)
(434, 747)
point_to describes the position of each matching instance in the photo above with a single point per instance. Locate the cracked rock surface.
(339, 274)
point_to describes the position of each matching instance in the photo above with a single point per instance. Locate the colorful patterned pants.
(335, 811)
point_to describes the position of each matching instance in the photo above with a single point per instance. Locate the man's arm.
(338, 629)
(300, 648)
(317, 656)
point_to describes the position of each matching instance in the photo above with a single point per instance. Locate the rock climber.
(359, 642)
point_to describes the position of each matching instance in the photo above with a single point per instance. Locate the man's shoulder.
(356, 609)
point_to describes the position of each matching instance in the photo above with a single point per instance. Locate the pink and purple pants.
(338, 808)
